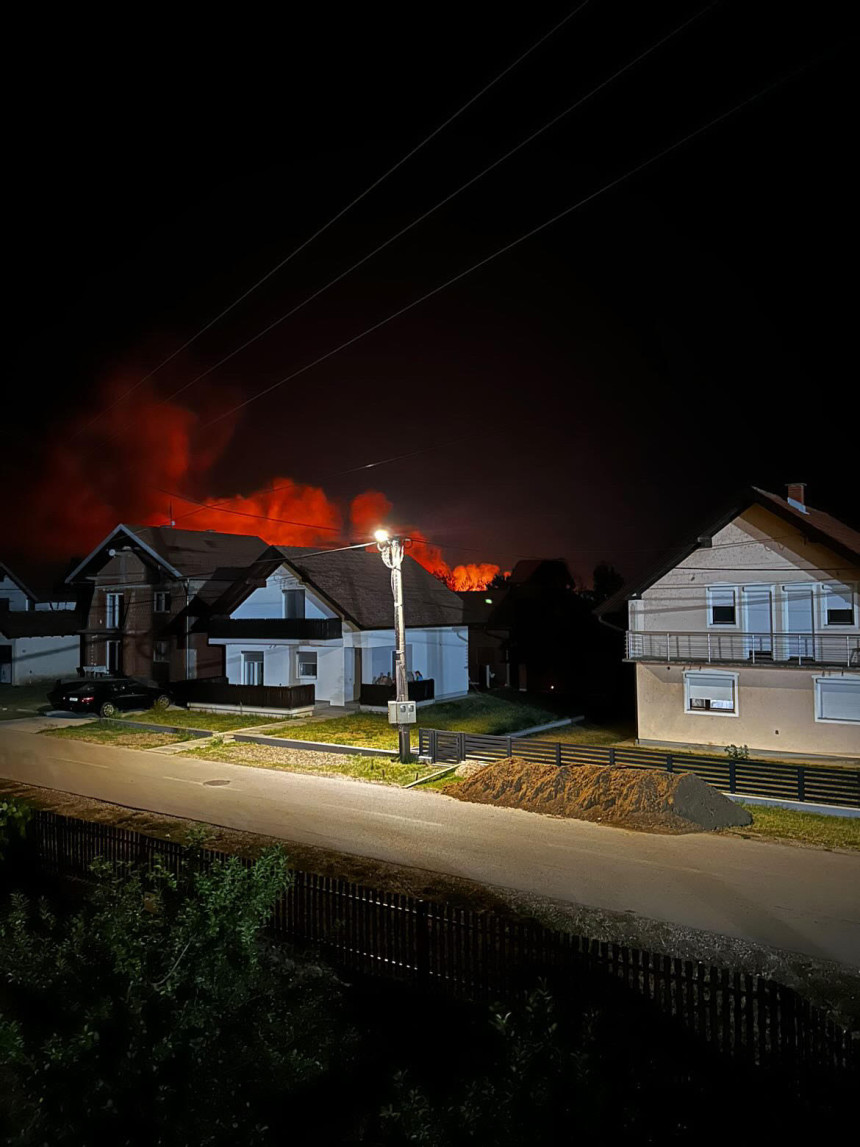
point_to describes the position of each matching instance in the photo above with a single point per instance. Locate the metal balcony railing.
(746, 648)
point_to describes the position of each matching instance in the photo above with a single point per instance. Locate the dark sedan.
(107, 695)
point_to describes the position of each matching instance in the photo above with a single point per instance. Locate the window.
(307, 663)
(837, 699)
(252, 669)
(838, 605)
(113, 610)
(711, 692)
(161, 651)
(721, 605)
(294, 603)
(114, 658)
(161, 602)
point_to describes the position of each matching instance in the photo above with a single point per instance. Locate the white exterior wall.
(757, 548)
(439, 653)
(37, 659)
(16, 597)
(268, 600)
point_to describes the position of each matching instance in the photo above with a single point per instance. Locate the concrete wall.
(776, 713)
(36, 659)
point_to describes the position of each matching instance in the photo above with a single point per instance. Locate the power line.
(344, 210)
(442, 202)
(247, 513)
(509, 246)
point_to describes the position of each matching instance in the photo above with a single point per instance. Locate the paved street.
(799, 899)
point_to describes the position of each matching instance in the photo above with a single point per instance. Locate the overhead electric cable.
(442, 202)
(507, 247)
(343, 211)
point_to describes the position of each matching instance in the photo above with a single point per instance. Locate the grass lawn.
(189, 719)
(585, 734)
(381, 770)
(107, 733)
(14, 698)
(783, 824)
(478, 713)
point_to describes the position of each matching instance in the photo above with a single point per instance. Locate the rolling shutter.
(839, 699)
(711, 691)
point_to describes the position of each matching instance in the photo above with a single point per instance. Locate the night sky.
(591, 394)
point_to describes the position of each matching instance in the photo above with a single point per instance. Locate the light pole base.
(405, 739)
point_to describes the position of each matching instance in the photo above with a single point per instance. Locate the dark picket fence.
(818, 784)
(484, 956)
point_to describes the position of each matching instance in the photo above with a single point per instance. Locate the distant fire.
(140, 457)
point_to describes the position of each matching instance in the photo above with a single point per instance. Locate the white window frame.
(113, 609)
(253, 657)
(817, 683)
(689, 678)
(300, 655)
(161, 601)
(718, 588)
(843, 590)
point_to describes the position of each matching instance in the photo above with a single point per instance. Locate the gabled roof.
(40, 623)
(197, 554)
(39, 580)
(817, 525)
(356, 584)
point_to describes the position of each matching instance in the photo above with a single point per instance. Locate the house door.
(5, 664)
(799, 625)
(757, 622)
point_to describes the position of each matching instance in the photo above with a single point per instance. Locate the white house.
(326, 619)
(749, 634)
(38, 627)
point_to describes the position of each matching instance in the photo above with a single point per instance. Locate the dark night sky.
(591, 393)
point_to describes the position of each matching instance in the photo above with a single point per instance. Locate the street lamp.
(392, 550)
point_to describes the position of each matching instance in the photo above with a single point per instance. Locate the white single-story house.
(327, 620)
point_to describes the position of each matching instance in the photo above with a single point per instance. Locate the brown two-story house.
(148, 589)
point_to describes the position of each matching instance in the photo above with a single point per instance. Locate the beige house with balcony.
(750, 634)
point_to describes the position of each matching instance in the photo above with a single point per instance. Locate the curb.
(316, 746)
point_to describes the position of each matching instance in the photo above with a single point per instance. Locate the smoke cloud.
(137, 458)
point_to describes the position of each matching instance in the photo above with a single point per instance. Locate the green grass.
(783, 824)
(585, 734)
(189, 719)
(475, 714)
(108, 733)
(381, 770)
(13, 698)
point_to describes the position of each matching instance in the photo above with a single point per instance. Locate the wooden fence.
(818, 784)
(203, 691)
(484, 956)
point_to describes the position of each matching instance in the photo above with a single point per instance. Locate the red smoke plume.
(131, 460)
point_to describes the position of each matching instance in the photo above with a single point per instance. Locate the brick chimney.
(797, 496)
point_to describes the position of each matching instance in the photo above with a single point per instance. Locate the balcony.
(276, 628)
(380, 695)
(785, 649)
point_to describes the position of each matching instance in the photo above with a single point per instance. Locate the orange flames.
(139, 455)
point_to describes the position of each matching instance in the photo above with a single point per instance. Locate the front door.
(757, 622)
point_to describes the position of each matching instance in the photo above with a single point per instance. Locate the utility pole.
(392, 550)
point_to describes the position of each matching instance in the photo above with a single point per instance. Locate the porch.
(267, 700)
(739, 648)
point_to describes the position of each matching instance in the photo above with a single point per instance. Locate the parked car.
(105, 695)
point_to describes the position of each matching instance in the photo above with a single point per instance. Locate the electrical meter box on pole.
(401, 713)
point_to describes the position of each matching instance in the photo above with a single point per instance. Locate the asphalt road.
(798, 899)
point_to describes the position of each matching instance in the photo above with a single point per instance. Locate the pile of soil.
(653, 801)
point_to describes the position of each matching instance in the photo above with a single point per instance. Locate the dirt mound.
(630, 798)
